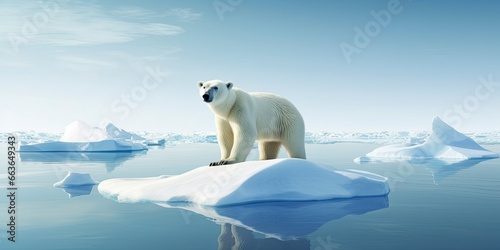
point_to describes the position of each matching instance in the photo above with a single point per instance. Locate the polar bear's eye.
(216, 88)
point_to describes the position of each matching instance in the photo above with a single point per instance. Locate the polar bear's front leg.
(244, 137)
(225, 138)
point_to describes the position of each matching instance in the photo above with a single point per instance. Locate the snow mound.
(444, 143)
(249, 182)
(75, 179)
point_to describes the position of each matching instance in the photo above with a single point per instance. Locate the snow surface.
(249, 182)
(286, 220)
(444, 143)
(80, 137)
(75, 179)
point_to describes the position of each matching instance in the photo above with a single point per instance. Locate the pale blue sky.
(66, 60)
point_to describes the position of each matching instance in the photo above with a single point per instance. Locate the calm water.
(432, 205)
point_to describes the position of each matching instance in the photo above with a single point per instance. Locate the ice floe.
(443, 143)
(249, 182)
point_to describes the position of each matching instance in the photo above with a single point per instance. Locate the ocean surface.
(432, 205)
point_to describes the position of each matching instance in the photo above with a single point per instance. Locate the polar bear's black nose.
(206, 97)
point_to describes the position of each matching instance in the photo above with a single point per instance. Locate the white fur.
(242, 117)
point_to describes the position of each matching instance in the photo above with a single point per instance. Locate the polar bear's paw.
(221, 162)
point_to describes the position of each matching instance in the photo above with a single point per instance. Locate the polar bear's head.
(214, 91)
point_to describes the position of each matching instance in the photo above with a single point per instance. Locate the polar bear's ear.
(200, 84)
(229, 85)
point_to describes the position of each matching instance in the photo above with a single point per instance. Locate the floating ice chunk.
(444, 143)
(249, 182)
(75, 179)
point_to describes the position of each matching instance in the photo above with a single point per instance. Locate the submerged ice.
(249, 182)
(443, 143)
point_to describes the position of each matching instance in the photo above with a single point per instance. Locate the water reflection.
(75, 191)
(440, 168)
(282, 224)
(112, 160)
(234, 237)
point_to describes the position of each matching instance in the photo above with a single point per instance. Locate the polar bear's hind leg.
(269, 149)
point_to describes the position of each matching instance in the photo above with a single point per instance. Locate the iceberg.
(249, 182)
(443, 143)
(80, 137)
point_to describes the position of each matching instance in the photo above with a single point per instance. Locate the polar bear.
(242, 118)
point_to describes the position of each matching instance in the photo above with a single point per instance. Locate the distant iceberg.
(80, 137)
(444, 143)
(249, 182)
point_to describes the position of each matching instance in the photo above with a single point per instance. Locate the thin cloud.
(184, 14)
(86, 61)
(76, 25)
(134, 12)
